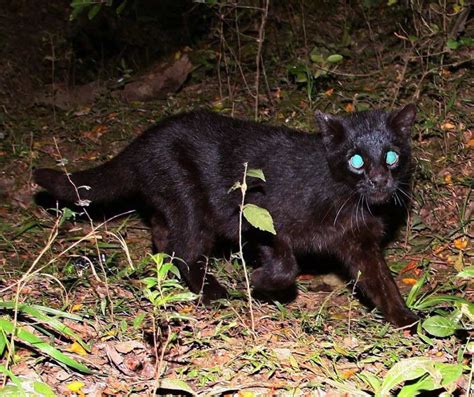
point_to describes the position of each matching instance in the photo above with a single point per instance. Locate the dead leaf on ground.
(164, 77)
(127, 346)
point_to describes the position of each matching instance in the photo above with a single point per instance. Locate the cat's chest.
(327, 235)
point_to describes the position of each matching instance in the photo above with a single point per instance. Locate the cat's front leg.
(368, 268)
(278, 268)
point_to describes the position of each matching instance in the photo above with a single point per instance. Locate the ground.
(141, 333)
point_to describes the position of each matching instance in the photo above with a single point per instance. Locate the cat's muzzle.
(379, 196)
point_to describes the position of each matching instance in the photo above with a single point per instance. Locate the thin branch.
(261, 38)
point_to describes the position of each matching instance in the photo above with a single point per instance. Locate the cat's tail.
(105, 183)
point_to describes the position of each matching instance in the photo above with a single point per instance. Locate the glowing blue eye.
(356, 161)
(391, 158)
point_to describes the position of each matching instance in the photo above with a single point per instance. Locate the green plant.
(425, 374)
(46, 322)
(93, 7)
(22, 387)
(162, 290)
(321, 64)
(164, 287)
(257, 216)
(447, 313)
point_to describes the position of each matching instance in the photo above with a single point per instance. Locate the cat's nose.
(378, 180)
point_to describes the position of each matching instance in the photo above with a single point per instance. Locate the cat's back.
(209, 150)
(207, 127)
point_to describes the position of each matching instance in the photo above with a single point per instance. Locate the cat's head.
(370, 151)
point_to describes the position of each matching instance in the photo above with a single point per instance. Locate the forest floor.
(139, 338)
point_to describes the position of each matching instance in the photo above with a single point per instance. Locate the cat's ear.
(331, 128)
(402, 120)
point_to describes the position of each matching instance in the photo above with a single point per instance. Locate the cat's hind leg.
(279, 267)
(193, 266)
(159, 233)
(190, 244)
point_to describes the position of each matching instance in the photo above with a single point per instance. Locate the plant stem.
(243, 189)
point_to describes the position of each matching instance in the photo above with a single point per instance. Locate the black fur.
(183, 168)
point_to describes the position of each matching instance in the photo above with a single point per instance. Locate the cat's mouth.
(379, 196)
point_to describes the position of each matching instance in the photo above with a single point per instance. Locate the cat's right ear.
(331, 128)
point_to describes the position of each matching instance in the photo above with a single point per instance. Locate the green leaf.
(415, 290)
(3, 343)
(301, 77)
(174, 270)
(37, 343)
(468, 272)
(372, 380)
(424, 384)
(163, 270)
(121, 7)
(467, 309)
(422, 336)
(16, 380)
(408, 369)
(38, 313)
(445, 376)
(316, 57)
(259, 217)
(452, 44)
(256, 173)
(43, 389)
(449, 372)
(182, 297)
(78, 6)
(434, 300)
(335, 58)
(13, 391)
(469, 41)
(177, 385)
(93, 11)
(66, 214)
(439, 326)
(138, 321)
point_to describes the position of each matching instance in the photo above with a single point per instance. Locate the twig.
(43, 251)
(267, 86)
(401, 81)
(91, 222)
(261, 38)
(53, 75)
(371, 37)
(347, 74)
(416, 95)
(159, 365)
(221, 49)
(21, 284)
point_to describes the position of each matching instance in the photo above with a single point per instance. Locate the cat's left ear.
(402, 120)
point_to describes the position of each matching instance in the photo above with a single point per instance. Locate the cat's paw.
(405, 319)
(264, 281)
(213, 290)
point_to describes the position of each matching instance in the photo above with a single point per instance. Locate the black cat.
(339, 193)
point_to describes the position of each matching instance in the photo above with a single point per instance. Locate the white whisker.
(340, 209)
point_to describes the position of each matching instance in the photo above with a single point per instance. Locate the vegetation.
(84, 307)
